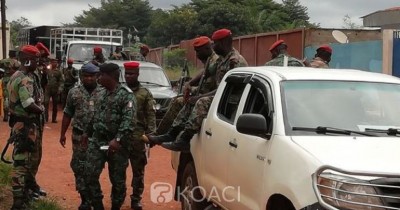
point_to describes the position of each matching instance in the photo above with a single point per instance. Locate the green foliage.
(5, 174)
(199, 17)
(118, 14)
(45, 204)
(174, 58)
(16, 26)
(174, 73)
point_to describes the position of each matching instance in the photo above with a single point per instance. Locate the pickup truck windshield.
(340, 104)
(84, 52)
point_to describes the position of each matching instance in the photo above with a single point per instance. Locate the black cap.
(109, 67)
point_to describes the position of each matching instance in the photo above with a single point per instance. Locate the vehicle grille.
(389, 189)
(164, 102)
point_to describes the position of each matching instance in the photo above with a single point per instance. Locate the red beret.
(221, 33)
(70, 60)
(326, 48)
(30, 50)
(97, 49)
(40, 46)
(131, 65)
(200, 41)
(145, 47)
(276, 44)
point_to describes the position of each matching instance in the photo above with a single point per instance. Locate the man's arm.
(69, 112)
(150, 114)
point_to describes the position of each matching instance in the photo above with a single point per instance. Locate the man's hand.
(187, 86)
(114, 146)
(63, 140)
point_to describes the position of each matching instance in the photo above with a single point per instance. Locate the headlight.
(157, 107)
(345, 192)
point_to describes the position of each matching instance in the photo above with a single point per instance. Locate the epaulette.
(127, 88)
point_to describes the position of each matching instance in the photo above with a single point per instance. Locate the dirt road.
(56, 177)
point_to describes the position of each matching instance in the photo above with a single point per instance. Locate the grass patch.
(5, 174)
(46, 204)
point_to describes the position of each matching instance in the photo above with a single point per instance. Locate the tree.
(349, 24)
(297, 14)
(118, 14)
(16, 26)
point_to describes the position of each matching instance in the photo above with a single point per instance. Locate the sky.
(329, 13)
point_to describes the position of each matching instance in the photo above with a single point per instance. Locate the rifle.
(184, 75)
(3, 153)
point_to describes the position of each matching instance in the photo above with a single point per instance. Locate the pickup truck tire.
(191, 198)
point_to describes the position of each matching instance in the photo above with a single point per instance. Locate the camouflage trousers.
(36, 159)
(138, 159)
(78, 161)
(191, 116)
(22, 171)
(173, 110)
(117, 164)
(53, 95)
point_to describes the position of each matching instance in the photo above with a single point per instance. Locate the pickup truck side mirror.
(252, 124)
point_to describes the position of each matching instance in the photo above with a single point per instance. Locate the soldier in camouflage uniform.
(70, 78)
(113, 126)
(24, 109)
(98, 56)
(145, 124)
(280, 56)
(205, 53)
(10, 65)
(53, 89)
(190, 119)
(322, 58)
(80, 105)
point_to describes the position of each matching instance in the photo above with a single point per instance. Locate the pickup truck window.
(340, 104)
(230, 100)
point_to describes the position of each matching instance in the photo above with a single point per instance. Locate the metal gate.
(396, 54)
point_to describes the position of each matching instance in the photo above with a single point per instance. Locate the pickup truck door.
(248, 154)
(218, 130)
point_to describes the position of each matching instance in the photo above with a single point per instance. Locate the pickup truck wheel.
(191, 197)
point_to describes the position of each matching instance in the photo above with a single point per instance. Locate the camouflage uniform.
(6, 64)
(177, 103)
(113, 119)
(318, 62)
(53, 88)
(145, 124)
(192, 118)
(36, 156)
(80, 106)
(279, 61)
(23, 91)
(70, 78)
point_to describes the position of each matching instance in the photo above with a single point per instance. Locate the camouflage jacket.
(145, 113)
(230, 61)
(114, 116)
(80, 106)
(23, 91)
(6, 65)
(55, 80)
(318, 62)
(279, 61)
(70, 77)
(210, 68)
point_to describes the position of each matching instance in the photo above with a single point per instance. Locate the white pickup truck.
(286, 138)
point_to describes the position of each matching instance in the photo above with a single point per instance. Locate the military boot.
(54, 117)
(97, 205)
(18, 204)
(136, 205)
(85, 202)
(168, 137)
(182, 143)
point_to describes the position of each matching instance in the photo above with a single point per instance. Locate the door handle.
(232, 144)
(208, 133)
